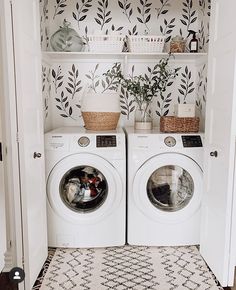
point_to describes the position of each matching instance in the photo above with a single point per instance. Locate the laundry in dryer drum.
(170, 188)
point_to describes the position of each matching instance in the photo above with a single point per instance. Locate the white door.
(25, 15)
(2, 191)
(217, 217)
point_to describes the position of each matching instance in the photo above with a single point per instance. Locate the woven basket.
(146, 43)
(179, 125)
(105, 43)
(100, 121)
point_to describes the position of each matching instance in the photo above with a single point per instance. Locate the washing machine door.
(84, 188)
(168, 187)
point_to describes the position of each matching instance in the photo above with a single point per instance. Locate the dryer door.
(168, 187)
(84, 188)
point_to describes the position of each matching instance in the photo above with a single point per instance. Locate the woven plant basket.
(100, 121)
(179, 125)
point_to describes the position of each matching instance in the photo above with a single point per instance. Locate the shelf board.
(176, 56)
(72, 56)
(52, 56)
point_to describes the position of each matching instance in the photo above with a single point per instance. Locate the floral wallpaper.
(65, 84)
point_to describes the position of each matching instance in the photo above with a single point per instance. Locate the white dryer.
(164, 188)
(86, 175)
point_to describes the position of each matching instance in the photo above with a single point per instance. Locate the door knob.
(214, 153)
(37, 155)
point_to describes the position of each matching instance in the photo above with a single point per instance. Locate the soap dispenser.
(193, 44)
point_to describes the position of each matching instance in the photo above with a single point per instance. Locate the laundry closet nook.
(67, 76)
(47, 87)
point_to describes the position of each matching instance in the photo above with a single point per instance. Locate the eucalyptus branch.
(144, 88)
(113, 78)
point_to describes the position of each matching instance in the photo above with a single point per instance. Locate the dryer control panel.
(106, 141)
(192, 141)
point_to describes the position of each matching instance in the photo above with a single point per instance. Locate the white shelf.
(177, 56)
(50, 56)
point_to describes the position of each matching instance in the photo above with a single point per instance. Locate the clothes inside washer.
(83, 188)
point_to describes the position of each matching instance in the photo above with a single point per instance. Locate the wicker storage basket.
(146, 43)
(105, 43)
(99, 121)
(179, 125)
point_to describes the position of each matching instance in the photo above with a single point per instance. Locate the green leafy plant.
(144, 88)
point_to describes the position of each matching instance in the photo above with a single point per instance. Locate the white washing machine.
(86, 198)
(164, 188)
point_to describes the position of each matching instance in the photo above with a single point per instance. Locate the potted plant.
(144, 88)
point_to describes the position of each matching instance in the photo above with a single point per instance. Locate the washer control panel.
(192, 141)
(83, 141)
(170, 141)
(106, 141)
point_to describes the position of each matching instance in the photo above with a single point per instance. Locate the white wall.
(2, 193)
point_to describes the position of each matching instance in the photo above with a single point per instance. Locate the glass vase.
(143, 116)
(66, 39)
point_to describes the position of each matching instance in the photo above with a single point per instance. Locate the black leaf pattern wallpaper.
(188, 14)
(127, 9)
(186, 86)
(46, 89)
(59, 7)
(82, 10)
(65, 83)
(127, 104)
(144, 11)
(167, 28)
(163, 8)
(103, 15)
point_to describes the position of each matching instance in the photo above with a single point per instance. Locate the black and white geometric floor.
(127, 268)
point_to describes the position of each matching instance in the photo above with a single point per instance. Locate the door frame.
(14, 254)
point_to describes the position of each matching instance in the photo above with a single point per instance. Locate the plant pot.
(143, 116)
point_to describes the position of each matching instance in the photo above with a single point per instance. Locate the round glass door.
(83, 188)
(170, 188)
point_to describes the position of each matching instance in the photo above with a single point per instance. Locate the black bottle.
(193, 44)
